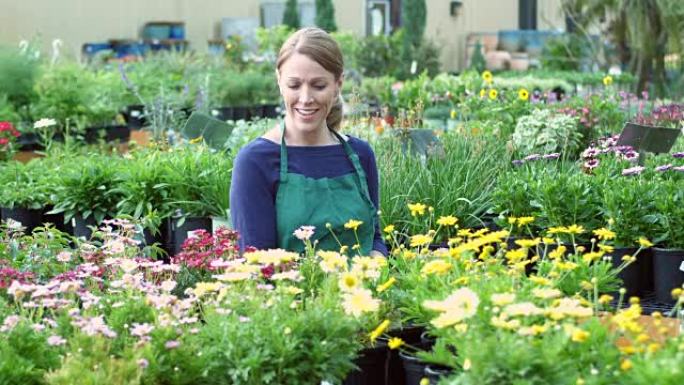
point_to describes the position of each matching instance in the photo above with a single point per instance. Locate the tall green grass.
(457, 182)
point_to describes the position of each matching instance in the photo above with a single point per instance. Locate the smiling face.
(309, 92)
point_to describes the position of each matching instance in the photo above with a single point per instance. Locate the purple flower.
(623, 149)
(664, 167)
(678, 168)
(532, 157)
(518, 162)
(631, 155)
(554, 155)
(172, 344)
(590, 153)
(678, 155)
(636, 170)
(591, 164)
(143, 363)
(55, 340)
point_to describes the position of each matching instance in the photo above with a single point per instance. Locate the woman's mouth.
(306, 112)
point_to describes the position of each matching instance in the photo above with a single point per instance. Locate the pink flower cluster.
(8, 275)
(586, 118)
(200, 250)
(7, 133)
(669, 115)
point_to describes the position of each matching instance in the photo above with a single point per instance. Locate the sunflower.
(487, 77)
(493, 94)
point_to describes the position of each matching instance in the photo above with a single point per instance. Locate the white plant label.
(681, 267)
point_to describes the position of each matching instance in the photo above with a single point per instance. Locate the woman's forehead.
(299, 66)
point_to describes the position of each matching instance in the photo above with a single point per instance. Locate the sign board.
(648, 138)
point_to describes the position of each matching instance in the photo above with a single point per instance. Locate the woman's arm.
(374, 191)
(252, 203)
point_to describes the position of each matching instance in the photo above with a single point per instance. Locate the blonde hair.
(320, 47)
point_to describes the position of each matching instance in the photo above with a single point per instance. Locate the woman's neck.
(320, 137)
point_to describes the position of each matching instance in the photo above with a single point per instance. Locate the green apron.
(304, 201)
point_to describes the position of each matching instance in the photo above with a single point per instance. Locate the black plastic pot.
(80, 226)
(178, 234)
(29, 141)
(222, 113)
(134, 116)
(111, 134)
(434, 373)
(58, 221)
(411, 336)
(241, 113)
(371, 367)
(667, 273)
(426, 341)
(637, 278)
(414, 368)
(489, 222)
(270, 111)
(29, 218)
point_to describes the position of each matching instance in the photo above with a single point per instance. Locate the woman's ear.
(339, 85)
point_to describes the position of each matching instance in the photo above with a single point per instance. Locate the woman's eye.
(293, 86)
(319, 87)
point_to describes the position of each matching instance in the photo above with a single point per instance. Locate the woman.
(303, 172)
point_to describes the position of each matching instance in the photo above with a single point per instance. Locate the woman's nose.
(305, 95)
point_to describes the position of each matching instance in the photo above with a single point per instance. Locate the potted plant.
(627, 205)
(145, 194)
(567, 197)
(87, 191)
(199, 183)
(105, 102)
(19, 71)
(668, 255)
(544, 132)
(26, 192)
(435, 117)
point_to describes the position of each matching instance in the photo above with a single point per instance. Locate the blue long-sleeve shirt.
(256, 176)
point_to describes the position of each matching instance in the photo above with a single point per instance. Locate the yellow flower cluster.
(459, 306)
(332, 261)
(353, 224)
(359, 301)
(417, 209)
(572, 229)
(437, 266)
(273, 257)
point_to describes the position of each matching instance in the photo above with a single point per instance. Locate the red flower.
(3, 141)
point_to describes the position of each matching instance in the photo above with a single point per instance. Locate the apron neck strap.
(283, 153)
(351, 154)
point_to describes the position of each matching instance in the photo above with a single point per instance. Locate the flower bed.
(102, 312)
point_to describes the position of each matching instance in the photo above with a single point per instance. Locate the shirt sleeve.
(252, 203)
(372, 177)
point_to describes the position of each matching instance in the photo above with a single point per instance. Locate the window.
(378, 18)
(272, 13)
(527, 14)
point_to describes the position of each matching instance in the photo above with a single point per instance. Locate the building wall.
(80, 21)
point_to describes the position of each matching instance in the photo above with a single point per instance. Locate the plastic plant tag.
(681, 267)
(214, 132)
(648, 138)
